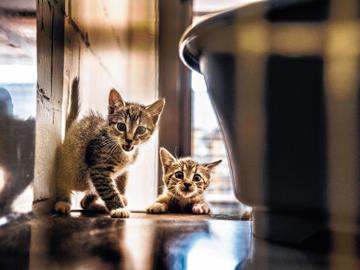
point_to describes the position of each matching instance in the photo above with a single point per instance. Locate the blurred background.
(17, 94)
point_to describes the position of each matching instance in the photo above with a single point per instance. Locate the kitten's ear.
(115, 100)
(156, 109)
(166, 158)
(211, 165)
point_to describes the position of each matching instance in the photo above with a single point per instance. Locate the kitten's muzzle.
(127, 147)
(186, 187)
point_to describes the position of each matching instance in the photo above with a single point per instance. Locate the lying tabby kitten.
(185, 182)
(96, 153)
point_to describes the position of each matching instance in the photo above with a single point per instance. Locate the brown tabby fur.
(96, 153)
(185, 182)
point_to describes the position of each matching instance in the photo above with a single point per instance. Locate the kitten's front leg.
(161, 205)
(201, 208)
(108, 192)
(121, 182)
(90, 203)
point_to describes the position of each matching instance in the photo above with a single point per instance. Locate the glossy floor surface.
(149, 242)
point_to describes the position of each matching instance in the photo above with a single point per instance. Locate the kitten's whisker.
(108, 143)
(113, 150)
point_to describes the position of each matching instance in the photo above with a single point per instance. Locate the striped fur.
(96, 153)
(74, 104)
(185, 182)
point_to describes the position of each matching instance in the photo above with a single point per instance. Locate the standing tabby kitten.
(185, 182)
(96, 153)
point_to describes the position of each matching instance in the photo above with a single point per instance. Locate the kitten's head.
(130, 123)
(185, 177)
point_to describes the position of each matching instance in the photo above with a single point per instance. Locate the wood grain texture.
(174, 78)
(50, 36)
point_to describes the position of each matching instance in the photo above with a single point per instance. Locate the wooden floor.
(144, 242)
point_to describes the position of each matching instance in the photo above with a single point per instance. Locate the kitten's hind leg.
(63, 198)
(63, 187)
(62, 207)
(90, 202)
(121, 182)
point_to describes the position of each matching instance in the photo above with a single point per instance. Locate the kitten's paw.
(201, 209)
(157, 208)
(119, 213)
(97, 207)
(62, 207)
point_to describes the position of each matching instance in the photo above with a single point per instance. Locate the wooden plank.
(174, 78)
(50, 51)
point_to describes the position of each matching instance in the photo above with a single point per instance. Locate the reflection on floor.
(148, 242)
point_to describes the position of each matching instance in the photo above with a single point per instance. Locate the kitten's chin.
(127, 147)
(185, 193)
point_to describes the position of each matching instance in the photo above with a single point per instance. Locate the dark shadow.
(15, 237)
(98, 242)
(17, 144)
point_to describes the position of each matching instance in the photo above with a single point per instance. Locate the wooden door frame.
(174, 79)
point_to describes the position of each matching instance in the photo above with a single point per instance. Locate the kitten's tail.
(74, 104)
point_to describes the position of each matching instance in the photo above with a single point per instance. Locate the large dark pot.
(283, 79)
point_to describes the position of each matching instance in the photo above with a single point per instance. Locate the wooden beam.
(50, 62)
(174, 77)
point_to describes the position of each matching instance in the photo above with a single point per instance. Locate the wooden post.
(50, 62)
(174, 78)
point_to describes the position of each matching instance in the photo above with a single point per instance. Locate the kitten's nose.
(128, 141)
(187, 185)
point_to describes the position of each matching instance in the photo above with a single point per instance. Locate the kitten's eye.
(179, 175)
(140, 130)
(121, 126)
(197, 177)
